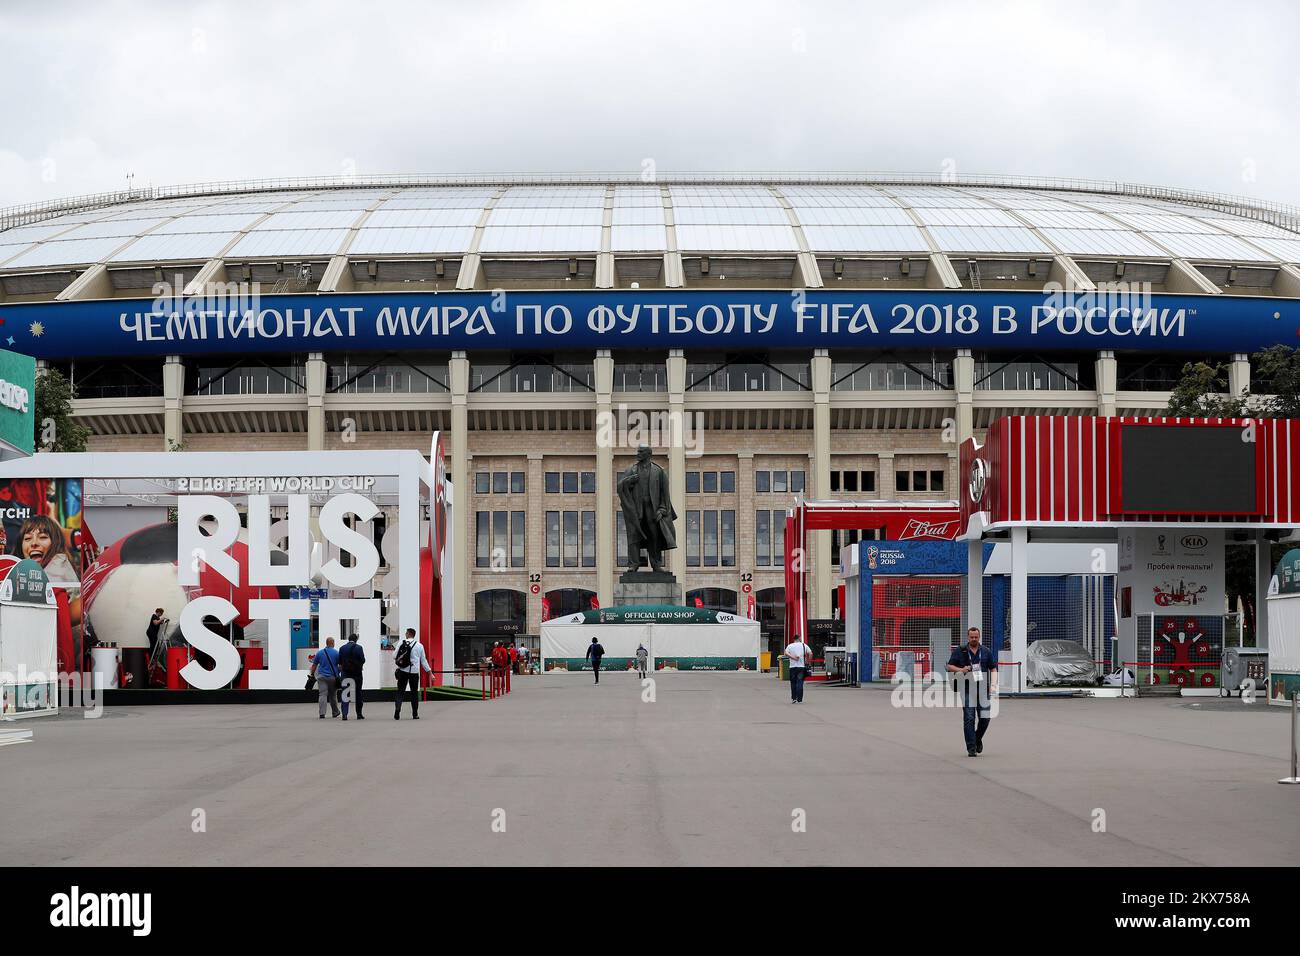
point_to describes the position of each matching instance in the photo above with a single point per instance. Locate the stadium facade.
(775, 337)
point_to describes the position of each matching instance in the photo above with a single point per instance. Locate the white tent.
(728, 643)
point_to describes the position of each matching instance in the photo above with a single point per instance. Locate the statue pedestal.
(647, 587)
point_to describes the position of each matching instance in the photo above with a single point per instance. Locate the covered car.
(1060, 663)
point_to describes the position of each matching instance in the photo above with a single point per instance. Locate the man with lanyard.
(977, 682)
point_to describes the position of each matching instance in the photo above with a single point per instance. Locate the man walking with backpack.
(594, 653)
(409, 659)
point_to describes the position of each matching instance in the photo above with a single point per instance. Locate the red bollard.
(506, 670)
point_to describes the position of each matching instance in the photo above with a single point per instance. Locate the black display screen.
(1187, 469)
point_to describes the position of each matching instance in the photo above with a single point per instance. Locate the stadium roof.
(760, 215)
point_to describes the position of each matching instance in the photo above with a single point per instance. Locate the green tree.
(1198, 394)
(56, 429)
(1274, 393)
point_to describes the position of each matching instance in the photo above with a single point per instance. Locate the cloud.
(187, 92)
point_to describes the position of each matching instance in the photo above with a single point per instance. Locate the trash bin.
(784, 666)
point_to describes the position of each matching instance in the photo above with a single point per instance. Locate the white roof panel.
(1068, 219)
(545, 216)
(638, 237)
(966, 217)
(186, 245)
(26, 235)
(410, 218)
(865, 239)
(228, 222)
(268, 243)
(1287, 250)
(541, 239)
(1103, 242)
(987, 239)
(733, 215)
(114, 227)
(852, 215)
(322, 219)
(638, 215)
(411, 241)
(735, 237)
(63, 252)
(1201, 246)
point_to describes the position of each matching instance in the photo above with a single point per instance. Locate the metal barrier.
(1295, 715)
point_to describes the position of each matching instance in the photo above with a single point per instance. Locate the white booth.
(29, 667)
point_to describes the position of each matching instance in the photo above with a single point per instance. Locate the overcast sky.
(1191, 93)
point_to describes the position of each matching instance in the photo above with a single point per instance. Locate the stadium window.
(796, 482)
(552, 539)
(901, 481)
(727, 482)
(517, 525)
(835, 481)
(692, 539)
(570, 482)
(710, 482)
(589, 539)
(692, 482)
(570, 539)
(482, 482)
(868, 481)
(500, 538)
(762, 481)
(728, 539)
(936, 481)
(588, 483)
(778, 539)
(849, 481)
(762, 538)
(779, 480)
(517, 482)
(710, 539)
(919, 482)
(552, 482)
(483, 539)
(500, 482)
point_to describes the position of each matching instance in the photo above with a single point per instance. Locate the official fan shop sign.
(1157, 322)
(209, 525)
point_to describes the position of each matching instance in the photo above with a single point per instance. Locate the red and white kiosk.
(1168, 491)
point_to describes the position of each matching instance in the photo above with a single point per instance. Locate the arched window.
(500, 604)
(713, 599)
(564, 601)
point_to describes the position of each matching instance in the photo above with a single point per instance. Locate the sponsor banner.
(706, 663)
(650, 614)
(1157, 322)
(17, 401)
(607, 663)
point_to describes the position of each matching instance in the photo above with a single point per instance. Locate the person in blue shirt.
(352, 658)
(325, 665)
(976, 670)
(594, 653)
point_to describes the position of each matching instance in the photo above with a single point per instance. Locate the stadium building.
(774, 337)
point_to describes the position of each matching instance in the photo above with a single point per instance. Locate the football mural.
(134, 576)
(1187, 651)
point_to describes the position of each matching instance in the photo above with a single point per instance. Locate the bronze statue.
(647, 511)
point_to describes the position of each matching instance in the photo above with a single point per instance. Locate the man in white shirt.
(408, 675)
(800, 655)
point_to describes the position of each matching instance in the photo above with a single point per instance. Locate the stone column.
(173, 401)
(606, 431)
(316, 371)
(458, 380)
(1107, 382)
(963, 380)
(1239, 374)
(820, 541)
(677, 458)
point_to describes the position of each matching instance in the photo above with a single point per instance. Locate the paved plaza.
(711, 772)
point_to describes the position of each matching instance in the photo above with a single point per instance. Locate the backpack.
(403, 656)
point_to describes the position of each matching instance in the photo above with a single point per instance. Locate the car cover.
(1059, 662)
